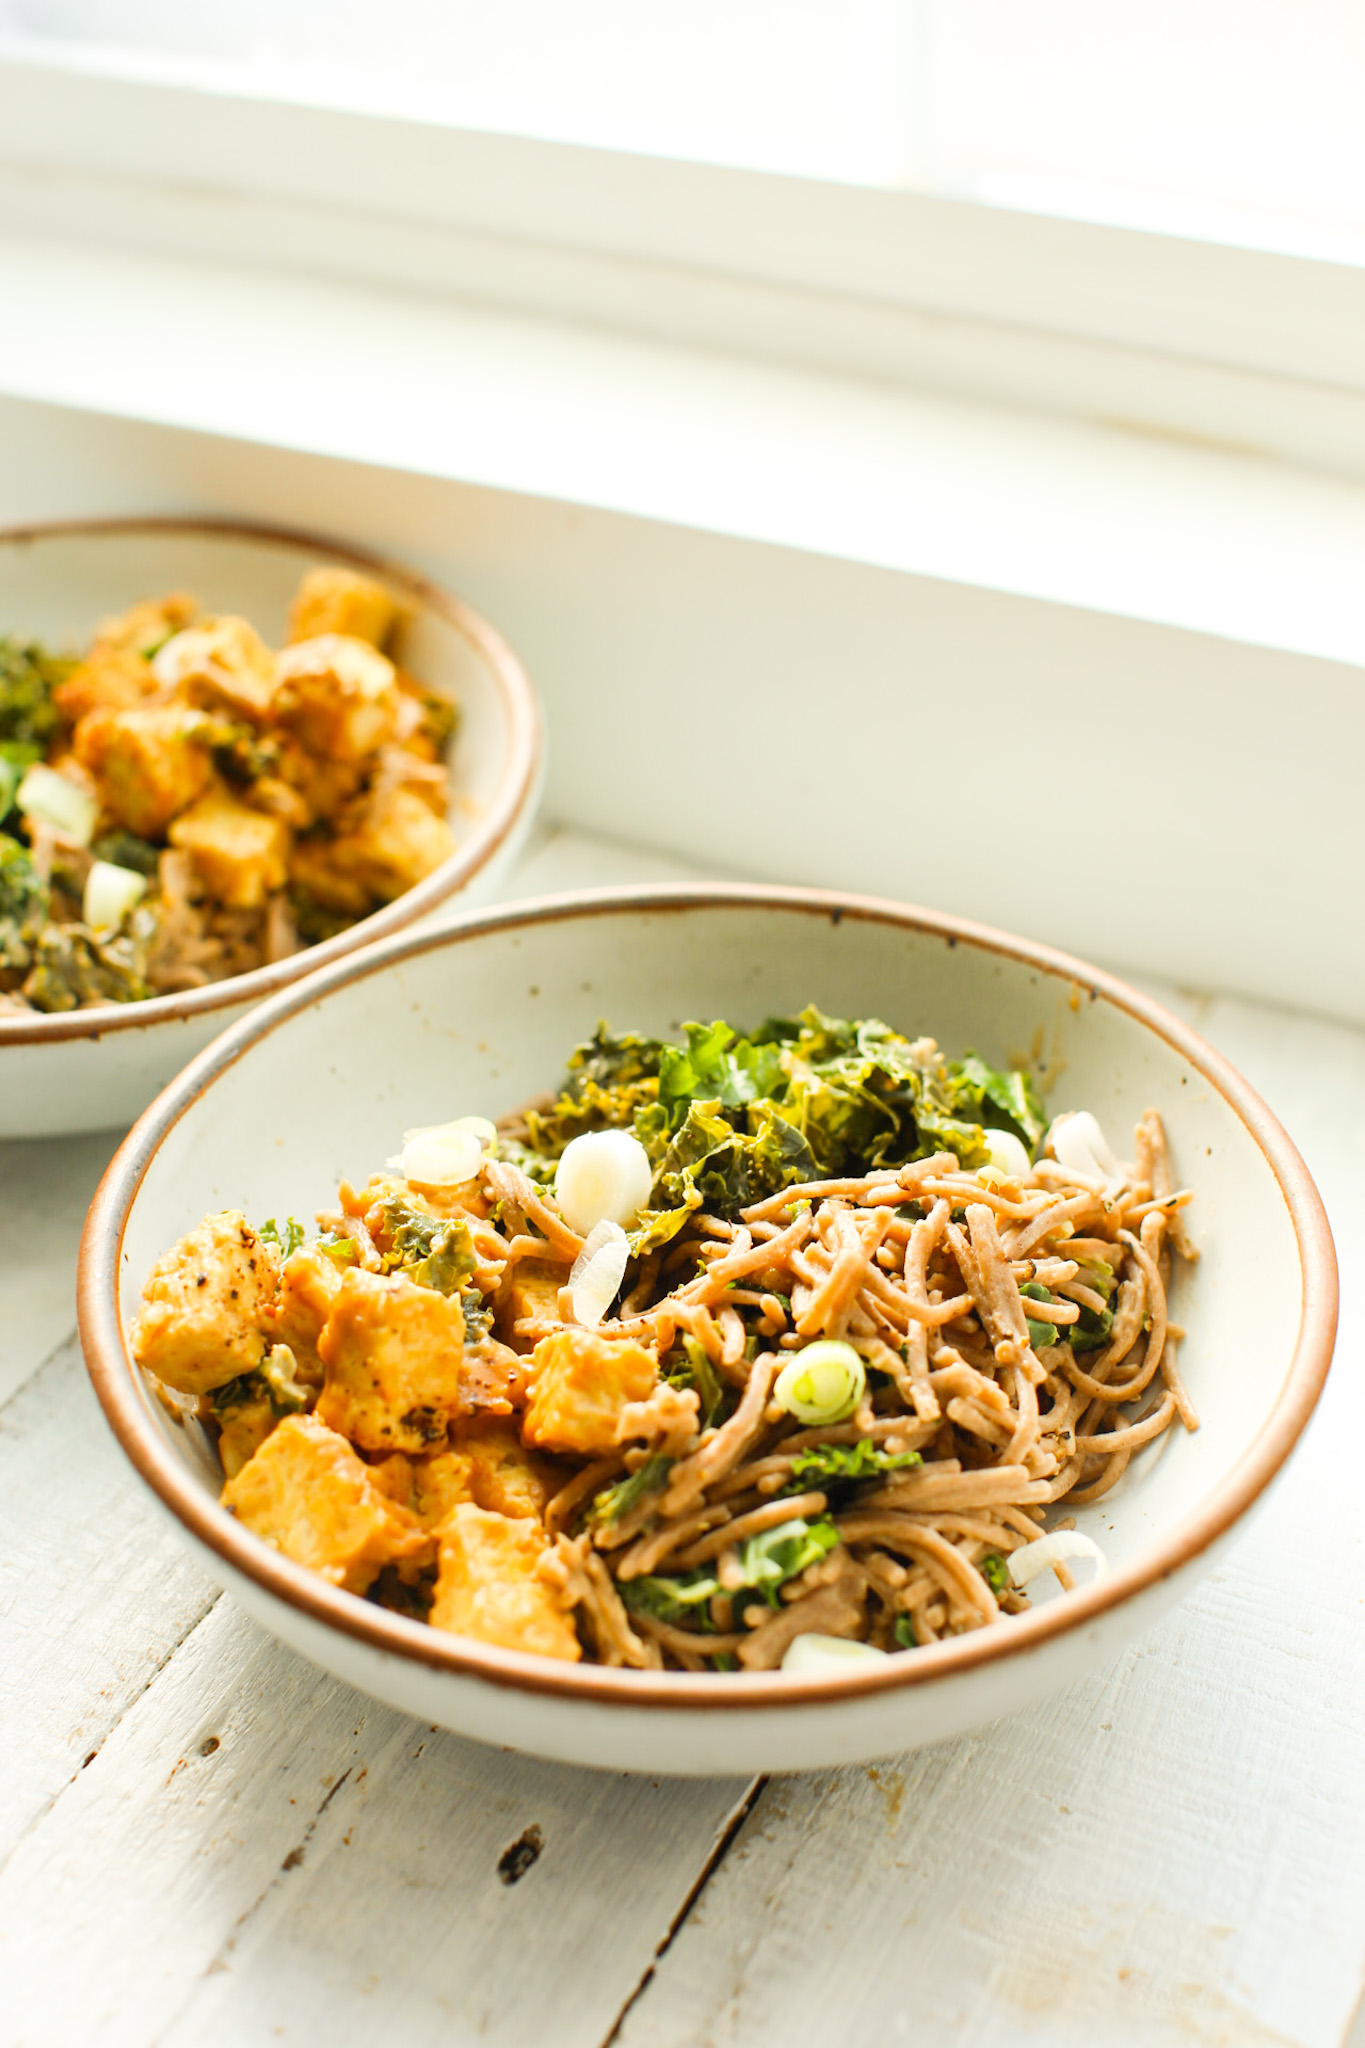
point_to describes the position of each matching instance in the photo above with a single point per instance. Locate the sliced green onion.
(110, 894)
(52, 799)
(813, 1653)
(822, 1383)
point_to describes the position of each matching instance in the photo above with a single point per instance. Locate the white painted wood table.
(204, 1840)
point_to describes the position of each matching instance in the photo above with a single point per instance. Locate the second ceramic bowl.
(94, 1069)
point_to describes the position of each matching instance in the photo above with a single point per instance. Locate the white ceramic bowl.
(320, 1082)
(95, 1069)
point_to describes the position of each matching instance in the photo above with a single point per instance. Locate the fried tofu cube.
(243, 1429)
(149, 763)
(337, 695)
(109, 679)
(487, 1586)
(144, 627)
(240, 855)
(223, 665)
(322, 787)
(394, 841)
(393, 1353)
(337, 600)
(580, 1383)
(532, 1298)
(428, 1487)
(310, 1282)
(307, 1493)
(204, 1306)
(503, 1475)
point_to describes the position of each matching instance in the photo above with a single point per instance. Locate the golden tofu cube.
(204, 1306)
(428, 1487)
(337, 695)
(322, 787)
(109, 679)
(243, 1429)
(393, 1353)
(223, 665)
(149, 763)
(532, 1298)
(503, 1475)
(580, 1382)
(307, 1494)
(309, 1284)
(337, 600)
(394, 842)
(144, 627)
(487, 1586)
(240, 855)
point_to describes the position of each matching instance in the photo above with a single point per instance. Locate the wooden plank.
(95, 1589)
(1171, 1853)
(45, 1189)
(260, 1853)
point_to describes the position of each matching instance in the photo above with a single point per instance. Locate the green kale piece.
(28, 677)
(433, 1251)
(72, 967)
(688, 1365)
(16, 757)
(766, 1562)
(716, 1065)
(1090, 1332)
(837, 1466)
(1011, 1093)
(610, 1081)
(240, 754)
(905, 1633)
(995, 1571)
(313, 921)
(23, 904)
(286, 1240)
(615, 1501)
(1040, 1335)
(340, 1250)
(126, 850)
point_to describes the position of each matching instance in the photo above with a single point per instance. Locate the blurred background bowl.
(321, 1083)
(96, 1069)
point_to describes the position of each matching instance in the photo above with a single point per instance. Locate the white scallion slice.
(1055, 1548)
(1077, 1141)
(446, 1155)
(596, 1275)
(602, 1176)
(822, 1383)
(52, 799)
(185, 654)
(110, 893)
(1007, 1155)
(811, 1654)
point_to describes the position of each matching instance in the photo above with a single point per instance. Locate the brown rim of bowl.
(127, 1403)
(500, 816)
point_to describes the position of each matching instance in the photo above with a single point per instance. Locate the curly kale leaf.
(1040, 1335)
(1009, 1093)
(126, 850)
(611, 1080)
(995, 1571)
(613, 1502)
(286, 1238)
(689, 1366)
(433, 1251)
(71, 967)
(23, 904)
(836, 1466)
(766, 1562)
(28, 677)
(716, 1065)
